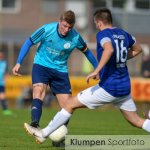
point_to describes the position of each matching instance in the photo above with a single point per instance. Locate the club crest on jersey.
(67, 45)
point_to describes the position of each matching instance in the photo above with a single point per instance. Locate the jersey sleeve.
(131, 39)
(81, 45)
(38, 35)
(102, 38)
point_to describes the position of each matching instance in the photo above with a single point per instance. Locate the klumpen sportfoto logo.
(117, 142)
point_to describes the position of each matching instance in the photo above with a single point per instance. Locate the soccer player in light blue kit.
(3, 70)
(57, 41)
(114, 47)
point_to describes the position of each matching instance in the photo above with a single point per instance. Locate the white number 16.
(121, 53)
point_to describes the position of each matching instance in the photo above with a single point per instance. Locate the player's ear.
(100, 24)
(59, 22)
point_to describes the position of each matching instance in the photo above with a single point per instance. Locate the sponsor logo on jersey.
(67, 45)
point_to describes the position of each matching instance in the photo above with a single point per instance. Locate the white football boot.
(36, 132)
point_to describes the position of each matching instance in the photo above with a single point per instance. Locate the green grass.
(83, 122)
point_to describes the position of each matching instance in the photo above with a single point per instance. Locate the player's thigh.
(125, 103)
(73, 104)
(40, 79)
(94, 97)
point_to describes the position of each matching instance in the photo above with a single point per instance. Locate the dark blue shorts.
(58, 81)
(2, 89)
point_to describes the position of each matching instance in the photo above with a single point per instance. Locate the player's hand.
(94, 75)
(15, 70)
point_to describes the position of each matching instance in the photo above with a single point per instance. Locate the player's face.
(64, 27)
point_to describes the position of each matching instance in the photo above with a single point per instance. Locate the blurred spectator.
(25, 98)
(49, 97)
(145, 72)
(86, 67)
(3, 71)
(145, 67)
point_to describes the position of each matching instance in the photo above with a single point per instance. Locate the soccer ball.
(59, 134)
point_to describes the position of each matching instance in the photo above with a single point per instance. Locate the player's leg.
(128, 109)
(39, 91)
(62, 116)
(4, 102)
(40, 80)
(91, 98)
(62, 100)
(133, 118)
(36, 109)
(61, 88)
(59, 84)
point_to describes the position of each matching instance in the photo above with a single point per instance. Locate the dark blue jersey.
(114, 76)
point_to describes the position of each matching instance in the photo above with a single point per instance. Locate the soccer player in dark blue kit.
(114, 47)
(57, 41)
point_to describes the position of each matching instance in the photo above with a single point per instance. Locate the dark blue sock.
(36, 110)
(4, 104)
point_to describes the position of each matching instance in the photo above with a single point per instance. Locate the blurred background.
(19, 18)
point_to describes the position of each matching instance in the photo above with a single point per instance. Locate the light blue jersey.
(54, 50)
(3, 67)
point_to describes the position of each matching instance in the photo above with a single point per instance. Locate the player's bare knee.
(38, 92)
(69, 106)
(62, 104)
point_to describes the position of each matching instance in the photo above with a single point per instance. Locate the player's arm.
(82, 46)
(24, 50)
(134, 51)
(107, 53)
(89, 55)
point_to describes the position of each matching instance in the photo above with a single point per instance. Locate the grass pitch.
(83, 122)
